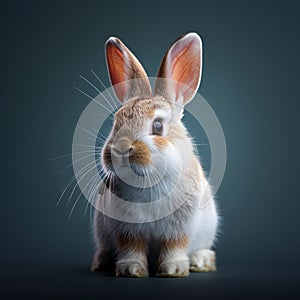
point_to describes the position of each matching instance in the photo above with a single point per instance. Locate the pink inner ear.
(184, 65)
(124, 71)
(116, 67)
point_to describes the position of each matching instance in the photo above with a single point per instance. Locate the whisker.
(69, 154)
(98, 140)
(93, 86)
(93, 99)
(89, 193)
(77, 160)
(65, 189)
(73, 178)
(98, 133)
(79, 180)
(103, 85)
(80, 194)
(87, 131)
(101, 115)
(93, 194)
(82, 92)
(95, 183)
(89, 83)
(87, 146)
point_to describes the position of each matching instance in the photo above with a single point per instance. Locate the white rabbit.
(148, 137)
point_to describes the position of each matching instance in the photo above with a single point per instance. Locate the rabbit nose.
(122, 147)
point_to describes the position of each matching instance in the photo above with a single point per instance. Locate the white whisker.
(73, 178)
(90, 168)
(75, 161)
(93, 99)
(103, 85)
(89, 83)
(69, 154)
(102, 115)
(87, 131)
(93, 86)
(89, 192)
(87, 146)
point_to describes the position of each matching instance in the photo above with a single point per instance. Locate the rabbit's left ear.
(181, 67)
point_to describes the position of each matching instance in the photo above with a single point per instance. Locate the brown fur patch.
(141, 153)
(130, 243)
(174, 243)
(160, 141)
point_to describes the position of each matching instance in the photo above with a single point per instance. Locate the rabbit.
(148, 135)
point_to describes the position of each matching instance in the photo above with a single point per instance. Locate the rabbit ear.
(181, 66)
(123, 66)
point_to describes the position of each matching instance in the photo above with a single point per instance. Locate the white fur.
(203, 261)
(131, 263)
(175, 263)
(163, 114)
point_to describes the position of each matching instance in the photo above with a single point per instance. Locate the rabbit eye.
(157, 127)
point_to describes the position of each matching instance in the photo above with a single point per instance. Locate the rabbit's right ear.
(123, 67)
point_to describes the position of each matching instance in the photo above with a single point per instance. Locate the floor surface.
(77, 282)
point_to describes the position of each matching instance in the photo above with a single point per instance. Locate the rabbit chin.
(131, 168)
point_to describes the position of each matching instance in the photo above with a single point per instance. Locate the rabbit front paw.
(131, 269)
(203, 261)
(174, 268)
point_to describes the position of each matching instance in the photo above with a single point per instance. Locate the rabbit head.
(147, 134)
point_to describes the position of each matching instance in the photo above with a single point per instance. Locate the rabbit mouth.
(135, 153)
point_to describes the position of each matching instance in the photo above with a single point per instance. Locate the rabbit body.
(149, 141)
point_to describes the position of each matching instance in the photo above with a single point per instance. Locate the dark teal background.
(251, 80)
